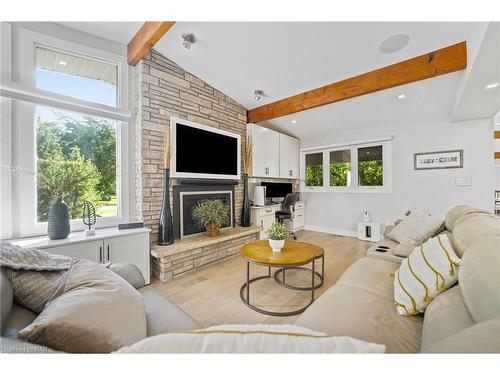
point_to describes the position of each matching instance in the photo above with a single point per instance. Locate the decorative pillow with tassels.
(429, 270)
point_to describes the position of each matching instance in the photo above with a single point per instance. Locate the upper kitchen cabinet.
(265, 151)
(289, 157)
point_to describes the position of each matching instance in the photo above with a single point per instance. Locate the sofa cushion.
(445, 316)
(7, 298)
(255, 338)
(129, 272)
(164, 316)
(458, 212)
(372, 275)
(20, 317)
(97, 312)
(429, 270)
(415, 229)
(479, 279)
(479, 338)
(473, 227)
(348, 311)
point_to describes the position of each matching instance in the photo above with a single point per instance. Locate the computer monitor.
(277, 189)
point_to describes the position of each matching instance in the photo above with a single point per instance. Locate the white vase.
(277, 245)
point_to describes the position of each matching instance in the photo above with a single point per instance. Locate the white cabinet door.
(265, 151)
(91, 250)
(129, 249)
(289, 156)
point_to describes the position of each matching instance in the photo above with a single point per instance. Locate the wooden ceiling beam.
(147, 36)
(443, 61)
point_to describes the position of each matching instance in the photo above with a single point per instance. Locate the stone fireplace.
(188, 194)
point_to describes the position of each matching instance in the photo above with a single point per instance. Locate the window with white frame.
(357, 167)
(69, 132)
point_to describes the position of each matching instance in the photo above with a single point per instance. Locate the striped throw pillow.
(429, 270)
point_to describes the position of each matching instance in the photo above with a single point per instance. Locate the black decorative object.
(245, 209)
(166, 225)
(89, 217)
(58, 224)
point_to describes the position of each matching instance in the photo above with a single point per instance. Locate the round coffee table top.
(294, 253)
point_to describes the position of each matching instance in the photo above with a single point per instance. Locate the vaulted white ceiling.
(286, 58)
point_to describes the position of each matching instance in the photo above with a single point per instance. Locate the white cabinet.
(265, 155)
(289, 157)
(128, 249)
(265, 217)
(107, 245)
(273, 154)
(91, 250)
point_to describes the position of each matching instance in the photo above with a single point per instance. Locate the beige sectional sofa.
(465, 318)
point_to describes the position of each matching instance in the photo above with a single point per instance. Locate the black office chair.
(288, 209)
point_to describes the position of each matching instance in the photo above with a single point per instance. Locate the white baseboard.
(337, 231)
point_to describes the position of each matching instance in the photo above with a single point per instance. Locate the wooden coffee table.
(294, 255)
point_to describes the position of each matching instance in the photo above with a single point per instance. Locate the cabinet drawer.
(299, 205)
(300, 219)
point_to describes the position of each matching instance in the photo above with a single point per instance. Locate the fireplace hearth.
(187, 196)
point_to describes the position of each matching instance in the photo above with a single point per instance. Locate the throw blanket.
(19, 258)
(36, 276)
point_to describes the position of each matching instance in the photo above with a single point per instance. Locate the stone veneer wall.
(164, 90)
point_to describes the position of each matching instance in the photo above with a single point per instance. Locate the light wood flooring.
(211, 295)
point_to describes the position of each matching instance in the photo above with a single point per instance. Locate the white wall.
(433, 191)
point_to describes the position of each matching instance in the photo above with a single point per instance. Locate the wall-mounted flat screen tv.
(200, 151)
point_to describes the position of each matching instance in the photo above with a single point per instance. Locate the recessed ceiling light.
(62, 63)
(491, 86)
(402, 96)
(294, 121)
(394, 43)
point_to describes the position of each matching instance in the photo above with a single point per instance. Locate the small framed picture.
(439, 160)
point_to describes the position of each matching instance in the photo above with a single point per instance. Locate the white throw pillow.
(415, 229)
(258, 338)
(429, 270)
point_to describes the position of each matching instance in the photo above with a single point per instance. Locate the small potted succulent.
(212, 215)
(277, 233)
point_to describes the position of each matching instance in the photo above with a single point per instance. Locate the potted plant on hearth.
(212, 215)
(277, 233)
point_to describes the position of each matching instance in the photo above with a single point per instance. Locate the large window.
(76, 76)
(349, 168)
(65, 116)
(76, 159)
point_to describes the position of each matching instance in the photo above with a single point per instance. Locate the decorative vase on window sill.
(166, 224)
(245, 209)
(58, 226)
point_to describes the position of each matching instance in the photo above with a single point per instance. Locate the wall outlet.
(463, 181)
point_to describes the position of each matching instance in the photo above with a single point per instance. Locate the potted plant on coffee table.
(277, 233)
(212, 215)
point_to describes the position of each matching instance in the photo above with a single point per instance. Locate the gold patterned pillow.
(429, 270)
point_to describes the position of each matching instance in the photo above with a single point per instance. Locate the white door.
(132, 249)
(289, 157)
(265, 151)
(92, 250)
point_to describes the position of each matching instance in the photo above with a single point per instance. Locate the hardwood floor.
(211, 295)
